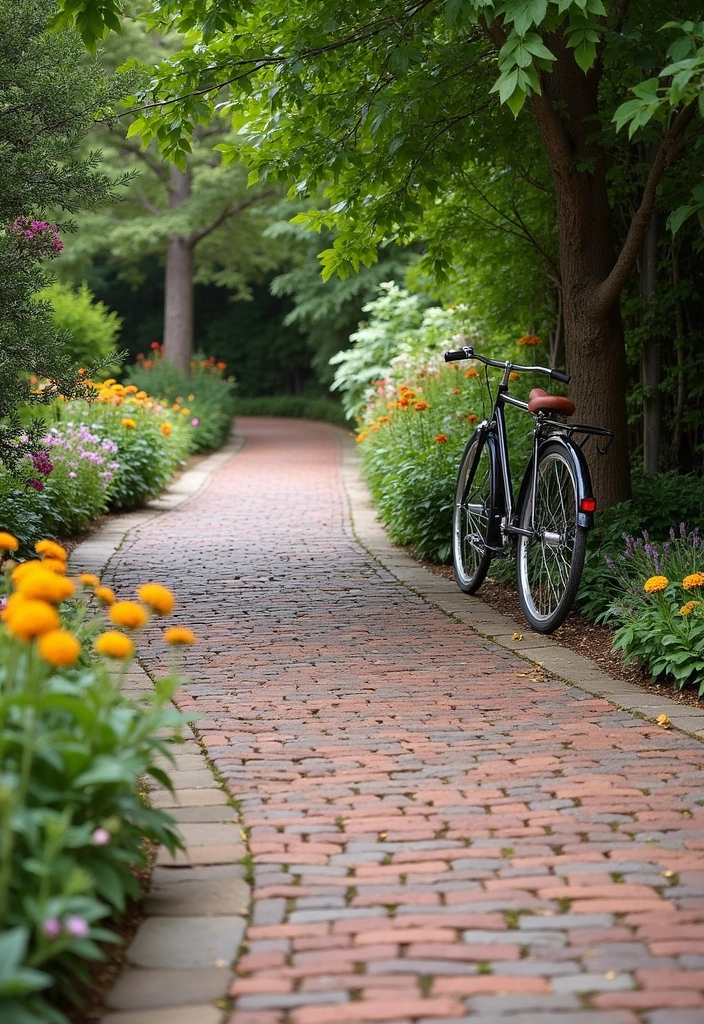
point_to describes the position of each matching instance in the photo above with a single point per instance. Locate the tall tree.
(49, 99)
(386, 98)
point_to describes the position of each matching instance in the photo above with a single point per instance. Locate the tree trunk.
(651, 373)
(178, 292)
(178, 302)
(566, 113)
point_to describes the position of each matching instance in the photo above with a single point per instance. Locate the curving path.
(439, 831)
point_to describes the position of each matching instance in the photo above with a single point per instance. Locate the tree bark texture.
(651, 373)
(178, 291)
(566, 113)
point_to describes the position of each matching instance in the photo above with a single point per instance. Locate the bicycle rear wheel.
(549, 562)
(473, 509)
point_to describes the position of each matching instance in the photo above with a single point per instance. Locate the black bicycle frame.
(504, 521)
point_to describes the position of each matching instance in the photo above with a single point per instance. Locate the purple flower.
(77, 926)
(42, 463)
(51, 927)
(36, 484)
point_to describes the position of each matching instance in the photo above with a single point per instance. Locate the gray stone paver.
(312, 712)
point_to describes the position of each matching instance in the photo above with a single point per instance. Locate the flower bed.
(73, 752)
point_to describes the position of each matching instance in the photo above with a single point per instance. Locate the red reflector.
(587, 505)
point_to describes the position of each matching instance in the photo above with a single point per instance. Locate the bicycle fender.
(583, 479)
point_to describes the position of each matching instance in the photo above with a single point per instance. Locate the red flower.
(420, 406)
(441, 439)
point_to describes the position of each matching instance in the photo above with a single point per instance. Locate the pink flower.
(77, 926)
(195, 422)
(51, 927)
(101, 837)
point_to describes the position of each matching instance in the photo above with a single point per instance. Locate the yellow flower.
(158, 598)
(179, 635)
(54, 565)
(693, 581)
(514, 376)
(44, 585)
(655, 583)
(8, 542)
(131, 389)
(141, 394)
(128, 614)
(166, 429)
(185, 412)
(105, 595)
(24, 569)
(28, 619)
(89, 579)
(114, 644)
(109, 381)
(59, 647)
(688, 608)
(50, 549)
(129, 423)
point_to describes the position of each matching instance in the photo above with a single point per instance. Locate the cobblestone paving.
(437, 833)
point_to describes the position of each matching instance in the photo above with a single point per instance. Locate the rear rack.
(580, 428)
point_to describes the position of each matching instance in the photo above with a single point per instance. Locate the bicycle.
(546, 526)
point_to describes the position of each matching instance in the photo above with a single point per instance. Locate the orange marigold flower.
(114, 644)
(514, 376)
(129, 423)
(89, 579)
(383, 419)
(54, 565)
(455, 391)
(688, 608)
(50, 549)
(158, 598)
(441, 439)
(373, 426)
(530, 341)
(166, 429)
(59, 647)
(420, 406)
(8, 542)
(179, 635)
(24, 569)
(221, 365)
(128, 614)
(696, 579)
(655, 583)
(105, 595)
(44, 585)
(471, 372)
(29, 619)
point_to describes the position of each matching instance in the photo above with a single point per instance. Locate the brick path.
(438, 833)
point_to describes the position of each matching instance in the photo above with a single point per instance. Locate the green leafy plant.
(74, 753)
(663, 628)
(205, 395)
(89, 329)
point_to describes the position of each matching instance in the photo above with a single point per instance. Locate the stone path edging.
(197, 907)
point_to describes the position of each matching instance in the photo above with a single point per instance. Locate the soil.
(578, 634)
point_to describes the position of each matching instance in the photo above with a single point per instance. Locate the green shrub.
(204, 396)
(73, 821)
(90, 330)
(294, 406)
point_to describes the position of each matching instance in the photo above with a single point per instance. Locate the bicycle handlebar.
(467, 352)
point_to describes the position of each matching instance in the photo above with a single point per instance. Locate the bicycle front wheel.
(549, 561)
(474, 500)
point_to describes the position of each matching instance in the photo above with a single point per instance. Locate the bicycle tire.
(549, 562)
(472, 514)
